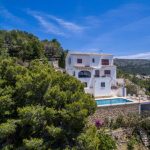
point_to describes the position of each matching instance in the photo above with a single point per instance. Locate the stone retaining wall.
(114, 111)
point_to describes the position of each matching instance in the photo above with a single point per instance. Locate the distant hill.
(134, 66)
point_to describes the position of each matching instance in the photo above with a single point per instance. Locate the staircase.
(144, 137)
(55, 64)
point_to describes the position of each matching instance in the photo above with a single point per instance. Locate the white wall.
(87, 60)
(97, 62)
(98, 90)
(119, 92)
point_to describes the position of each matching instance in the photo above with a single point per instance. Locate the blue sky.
(120, 27)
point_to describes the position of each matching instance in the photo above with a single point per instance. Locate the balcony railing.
(103, 76)
(113, 87)
(96, 75)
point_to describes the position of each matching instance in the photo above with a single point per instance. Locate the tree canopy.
(40, 108)
(26, 47)
(20, 44)
(54, 50)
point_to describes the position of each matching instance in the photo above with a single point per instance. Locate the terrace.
(139, 98)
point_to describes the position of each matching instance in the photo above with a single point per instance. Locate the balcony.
(82, 67)
(113, 87)
(107, 75)
(87, 65)
(102, 76)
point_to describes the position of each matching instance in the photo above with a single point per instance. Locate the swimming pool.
(113, 101)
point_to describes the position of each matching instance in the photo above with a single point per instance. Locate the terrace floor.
(139, 100)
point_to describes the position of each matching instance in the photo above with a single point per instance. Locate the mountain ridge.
(134, 66)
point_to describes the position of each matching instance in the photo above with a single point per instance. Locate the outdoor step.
(144, 137)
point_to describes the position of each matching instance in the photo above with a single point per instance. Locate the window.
(69, 61)
(107, 72)
(96, 73)
(79, 61)
(102, 84)
(84, 74)
(105, 61)
(93, 60)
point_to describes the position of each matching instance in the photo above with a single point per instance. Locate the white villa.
(97, 72)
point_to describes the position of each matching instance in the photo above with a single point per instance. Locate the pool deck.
(134, 101)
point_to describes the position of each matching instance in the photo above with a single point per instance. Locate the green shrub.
(106, 142)
(131, 143)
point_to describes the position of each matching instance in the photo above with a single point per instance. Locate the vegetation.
(94, 139)
(27, 47)
(134, 66)
(145, 124)
(44, 109)
(131, 143)
(54, 50)
(41, 108)
(135, 83)
(127, 129)
(20, 44)
(129, 121)
(106, 142)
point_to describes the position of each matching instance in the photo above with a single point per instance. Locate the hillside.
(45, 109)
(26, 47)
(134, 66)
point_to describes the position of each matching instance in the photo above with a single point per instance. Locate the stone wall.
(114, 111)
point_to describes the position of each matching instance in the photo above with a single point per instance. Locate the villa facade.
(97, 72)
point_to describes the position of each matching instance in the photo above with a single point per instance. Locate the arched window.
(84, 74)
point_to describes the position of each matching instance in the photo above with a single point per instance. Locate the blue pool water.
(103, 102)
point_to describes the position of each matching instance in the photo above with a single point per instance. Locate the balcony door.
(107, 73)
(97, 73)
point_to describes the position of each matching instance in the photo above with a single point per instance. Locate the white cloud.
(55, 25)
(45, 23)
(67, 25)
(145, 55)
(49, 27)
(7, 15)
